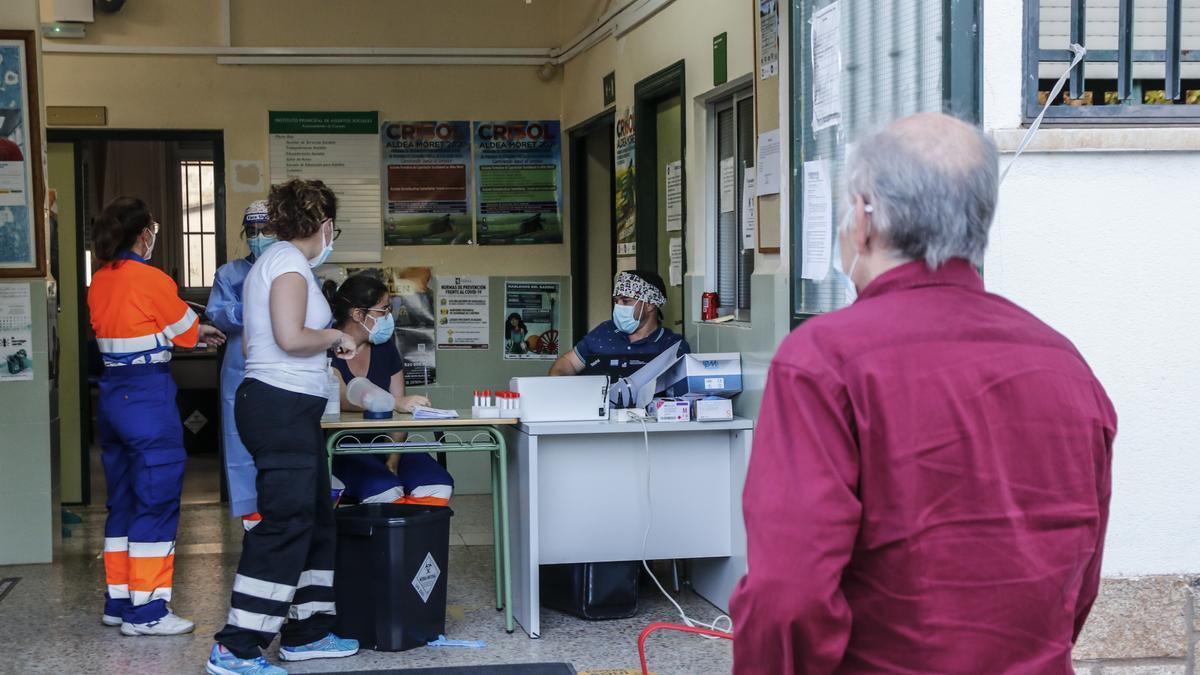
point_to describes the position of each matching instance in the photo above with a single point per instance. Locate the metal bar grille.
(1078, 37)
(1174, 79)
(1125, 51)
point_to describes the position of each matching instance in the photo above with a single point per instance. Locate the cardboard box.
(697, 375)
(670, 410)
(713, 409)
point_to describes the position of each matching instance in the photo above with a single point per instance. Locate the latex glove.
(344, 347)
(211, 335)
(406, 404)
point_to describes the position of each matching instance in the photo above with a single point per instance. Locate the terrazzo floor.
(50, 620)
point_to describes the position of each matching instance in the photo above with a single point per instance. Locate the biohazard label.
(195, 422)
(426, 577)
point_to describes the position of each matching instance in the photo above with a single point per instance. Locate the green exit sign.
(720, 59)
(610, 88)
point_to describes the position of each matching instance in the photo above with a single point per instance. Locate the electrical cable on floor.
(687, 620)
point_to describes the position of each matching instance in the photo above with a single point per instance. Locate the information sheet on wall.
(626, 196)
(518, 179)
(531, 311)
(16, 333)
(18, 240)
(463, 320)
(341, 149)
(411, 291)
(426, 169)
(768, 35)
(674, 185)
(827, 66)
(818, 220)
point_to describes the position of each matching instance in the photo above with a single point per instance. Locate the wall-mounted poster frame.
(22, 183)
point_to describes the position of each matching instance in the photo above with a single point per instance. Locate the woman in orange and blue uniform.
(138, 318)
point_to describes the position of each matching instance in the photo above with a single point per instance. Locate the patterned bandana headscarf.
(630, 285)
(256, 213)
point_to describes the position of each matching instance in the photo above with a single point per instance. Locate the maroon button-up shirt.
(928, 490)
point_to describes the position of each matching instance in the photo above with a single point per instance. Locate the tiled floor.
(49, 622)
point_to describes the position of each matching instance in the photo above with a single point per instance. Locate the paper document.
(749, 209)
(676, 271)
(827, 66)
(767, 165)
(818, 220)
(674, 196)
(728, 185)
(421, 412)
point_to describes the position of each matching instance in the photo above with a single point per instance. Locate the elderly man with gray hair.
(929, 486)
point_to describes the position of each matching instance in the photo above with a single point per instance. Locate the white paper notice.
(16, 333)
(676, 249)
(728, 186)
(768, 163)
(827, 66)
(768, 35)
(463, 314)
(818, 220)
(674, 196)
(749, 209)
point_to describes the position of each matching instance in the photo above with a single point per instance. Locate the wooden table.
(463, 434)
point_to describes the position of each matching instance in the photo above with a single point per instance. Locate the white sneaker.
(168, 625)
(109, 620)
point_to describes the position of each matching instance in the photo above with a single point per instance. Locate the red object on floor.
(660, 625)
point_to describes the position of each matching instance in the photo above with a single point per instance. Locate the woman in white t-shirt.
(286, 568)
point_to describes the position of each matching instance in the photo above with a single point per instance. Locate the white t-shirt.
(265, 361)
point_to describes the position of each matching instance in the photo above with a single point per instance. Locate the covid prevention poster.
(518, 182)
(626, 196)
(463, 320)
(531, 320)
(426, 170)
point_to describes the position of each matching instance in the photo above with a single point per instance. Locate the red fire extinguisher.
(708, 306)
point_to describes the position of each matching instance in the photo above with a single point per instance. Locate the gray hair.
(933, 188)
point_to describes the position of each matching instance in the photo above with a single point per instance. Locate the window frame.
(727, 100)
(1126, 113)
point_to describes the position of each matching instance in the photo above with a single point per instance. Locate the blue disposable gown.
(225, 311)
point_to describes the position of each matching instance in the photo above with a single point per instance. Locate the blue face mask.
(382, 332)
(261, 243)
(625, 319)
(322, 256)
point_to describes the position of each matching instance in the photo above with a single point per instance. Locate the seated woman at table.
(362, 309)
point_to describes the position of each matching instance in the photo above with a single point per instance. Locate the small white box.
(705, 375)
(671, 410)
(713, 410)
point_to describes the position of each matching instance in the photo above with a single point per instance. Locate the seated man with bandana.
(633, 337)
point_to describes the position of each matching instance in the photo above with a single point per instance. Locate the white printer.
(582, 398)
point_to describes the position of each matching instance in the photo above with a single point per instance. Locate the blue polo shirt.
(608, 351)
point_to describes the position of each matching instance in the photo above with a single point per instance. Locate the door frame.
(667, 83)
(578, 136)
(76, 137)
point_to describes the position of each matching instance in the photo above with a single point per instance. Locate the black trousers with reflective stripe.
(297, 533)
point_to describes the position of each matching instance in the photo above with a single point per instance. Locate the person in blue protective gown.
(362, 309)
(225, 312)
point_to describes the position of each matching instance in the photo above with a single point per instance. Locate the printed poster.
(16, 333)
(341, 149)
(411, 291)
(426, 168)
(768, 35)
(531, 320)
(463, 320)
(518, 182)
(17, 240)
(626, 197)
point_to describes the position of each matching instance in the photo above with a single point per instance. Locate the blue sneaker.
(223, 662)
(328, 647)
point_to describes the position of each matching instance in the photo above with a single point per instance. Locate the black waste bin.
(392, 568)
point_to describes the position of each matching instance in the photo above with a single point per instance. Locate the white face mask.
(150, 248)
(845, 277)
(324, 254)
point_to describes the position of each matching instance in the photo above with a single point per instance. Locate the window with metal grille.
(1142, 64)
(733, 134)
(893, 58)
(197, 200)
